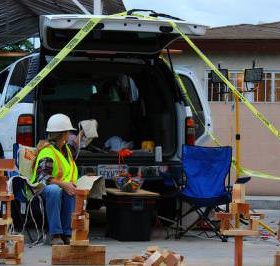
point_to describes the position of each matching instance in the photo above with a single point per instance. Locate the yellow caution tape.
(255, 112)
(50, 66)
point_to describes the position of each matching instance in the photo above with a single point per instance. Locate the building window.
(267, 91)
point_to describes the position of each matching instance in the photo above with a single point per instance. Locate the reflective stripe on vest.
(62, 169)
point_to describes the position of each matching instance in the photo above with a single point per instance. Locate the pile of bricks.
(11, 246)
(153, 256)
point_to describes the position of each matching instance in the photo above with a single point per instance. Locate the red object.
(189, 131)
(124, 153)
(25, 130)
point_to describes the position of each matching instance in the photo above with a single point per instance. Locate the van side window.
(17, 80)
(3, 77)
(198, 113)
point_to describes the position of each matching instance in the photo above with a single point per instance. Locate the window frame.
(266, 79)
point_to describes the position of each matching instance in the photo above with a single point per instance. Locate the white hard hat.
(59, 123)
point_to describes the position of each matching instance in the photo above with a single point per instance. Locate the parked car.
(115, 76)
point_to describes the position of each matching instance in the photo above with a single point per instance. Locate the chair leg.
(205, 216)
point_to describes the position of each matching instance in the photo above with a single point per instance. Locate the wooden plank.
(7, 165)
(118, 261)
(240, 232)
(78, 255)
(6, 197)
(238, 193)
(11, 237)
(6, 221)
(238, 250)
(258, 214)
(138, 193)
(254, 224)
(79, 242)
(277, 259)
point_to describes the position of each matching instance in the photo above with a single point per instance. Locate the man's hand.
(69, 188)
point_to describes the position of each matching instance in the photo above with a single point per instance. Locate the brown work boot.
(66, 239)
(56, 240)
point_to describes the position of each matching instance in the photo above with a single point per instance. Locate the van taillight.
(25, 132)
(189, 131)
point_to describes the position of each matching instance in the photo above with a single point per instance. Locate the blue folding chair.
(206, 170)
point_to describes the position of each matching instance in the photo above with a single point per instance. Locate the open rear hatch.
(130, 91)
(113, 34)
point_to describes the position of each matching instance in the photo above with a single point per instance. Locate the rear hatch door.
(113, 34)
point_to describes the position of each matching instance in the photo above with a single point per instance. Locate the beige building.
(235, 48)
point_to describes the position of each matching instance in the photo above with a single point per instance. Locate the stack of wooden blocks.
(80, 252)
(153, 256)
(11, 246)
(230, 222)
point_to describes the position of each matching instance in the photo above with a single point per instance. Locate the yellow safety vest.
(63, 169)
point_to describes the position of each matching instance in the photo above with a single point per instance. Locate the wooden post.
(238, 250)
(9, 256)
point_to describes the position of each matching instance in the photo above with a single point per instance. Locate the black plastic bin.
(130, 217)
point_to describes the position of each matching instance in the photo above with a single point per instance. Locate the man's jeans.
(59, 207)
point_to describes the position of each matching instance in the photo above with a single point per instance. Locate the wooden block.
(118, 261)
(225, 220)
(80, 200)
(243, 208)
(6, 221)
(7, 165)
(240, 208)
(78, 255)
(133, 263)
(171, 260)
(158, 261)
(238, 193)
(6, 197)
(153, 258)
(3, 230)
(257, 215)
(19, 247)
(254, 224)
(3, 185)
(13, 261)
(152, 249)
(80, 222)
(240, 232)
(79, 242)
(9, 237)
(138, 259)
(277, 259)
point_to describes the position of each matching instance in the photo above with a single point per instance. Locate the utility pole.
(97, 7)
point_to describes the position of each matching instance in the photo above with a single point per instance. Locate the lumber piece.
(80, 202)
(118, 261)
(238, 250)
(78, 255)
(7, 164)
(79, 242)
(238, 193)
(225, 219)
(257, 215)
(254, 224)
(240, 232)
(277, 259)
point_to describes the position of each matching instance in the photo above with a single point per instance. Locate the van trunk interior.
(133, 102)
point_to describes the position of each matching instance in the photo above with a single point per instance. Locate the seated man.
(56, 168)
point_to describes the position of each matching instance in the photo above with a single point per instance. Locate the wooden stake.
(238, 250)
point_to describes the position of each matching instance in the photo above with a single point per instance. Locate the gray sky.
(214, 12)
